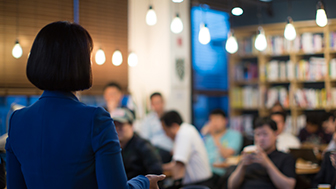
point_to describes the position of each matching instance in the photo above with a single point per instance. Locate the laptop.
(304, 153)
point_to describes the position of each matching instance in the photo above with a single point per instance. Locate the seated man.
(266, 167)
(313, 132)
(151, 128)
(138, 155)
(190, 163)
(326, 175)
(221, 142)
(114, 98)
(285, 140)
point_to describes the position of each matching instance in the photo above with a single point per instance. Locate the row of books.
(277, 94)
(310, 98)
(277, 45)
(245, 97)
(332, 37)
(246, 71)
(243, 124)
(332, 68)
(313, 69)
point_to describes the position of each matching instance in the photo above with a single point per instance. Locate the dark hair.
(155, 94)
(314, 119)
(261, 121)
(283, 114)
(171, 117)
(218, 112)
(113, 84)
(327, 115)
(60, 58)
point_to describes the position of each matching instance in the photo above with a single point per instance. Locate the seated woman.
(59, 142)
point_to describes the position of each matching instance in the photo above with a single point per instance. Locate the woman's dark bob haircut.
(60, 58)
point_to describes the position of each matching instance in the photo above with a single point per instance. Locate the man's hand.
(154, 179)
(246, 159)
(261, 157)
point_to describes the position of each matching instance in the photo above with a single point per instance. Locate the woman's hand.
(154, 179)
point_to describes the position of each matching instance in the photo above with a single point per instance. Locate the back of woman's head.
(60, 58)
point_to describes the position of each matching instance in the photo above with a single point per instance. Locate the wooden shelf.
(309, 81)
(246, 109)
(246, 82)
(301, 53)
(278, 82)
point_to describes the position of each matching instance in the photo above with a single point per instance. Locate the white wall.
(157, 49)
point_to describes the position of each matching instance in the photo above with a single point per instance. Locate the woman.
(59, 142)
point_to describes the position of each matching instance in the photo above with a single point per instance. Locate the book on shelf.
(312, 43)
(277, 45)
(245, 97)
(310, 98)
(332, 68)
(332, 37)
(313, 69)
(277, 94)
(246, 71)
(279, 70)
(243, 124)
(333, 97)
(246, 46)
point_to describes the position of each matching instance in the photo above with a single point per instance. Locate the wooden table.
(307, 171)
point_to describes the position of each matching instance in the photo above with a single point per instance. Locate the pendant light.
(260, 43)
(231, 45)
(17, 50)
(151, 16)
(290, 33)
(236, 9)
(177, 1)
(321, 16)
(176, 25)
(132, 59)
(204, 34)
(100, 57)
(117, 58)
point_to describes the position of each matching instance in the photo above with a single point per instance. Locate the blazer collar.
(59, 94)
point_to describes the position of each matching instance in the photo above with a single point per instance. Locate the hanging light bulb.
(100, 57)
(290, 33)
(237, 11)
(176, 25)
(177, 1)
(321, 17)
(151, 17)
(231, 45)
(260, 42)
(117, 58)
(204, 34)
(132, 59)
(17, 50)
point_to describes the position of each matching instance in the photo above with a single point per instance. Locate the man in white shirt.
(190, 165)
(151, 128)
(285, 140)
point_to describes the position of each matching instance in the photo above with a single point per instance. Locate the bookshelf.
(300, 74)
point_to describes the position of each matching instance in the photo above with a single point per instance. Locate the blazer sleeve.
(15, 177)
(110, 171)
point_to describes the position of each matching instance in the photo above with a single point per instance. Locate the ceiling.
(226, 5)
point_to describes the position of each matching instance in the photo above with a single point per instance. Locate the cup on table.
(323, 186)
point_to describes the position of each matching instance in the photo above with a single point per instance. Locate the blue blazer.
(59, 142)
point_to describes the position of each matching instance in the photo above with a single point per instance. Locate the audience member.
(266, 167)
(139, 156)
(285, 140)
(326, 175)
(329, 125)
(59, 142)
(221, 142)
(151, 128)
(313, 132)
(190, 163)
(277, 107)
(113, 97)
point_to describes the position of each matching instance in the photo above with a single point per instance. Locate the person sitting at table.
(139, 156)
(266, 167)
(329, 125)
(326, 175)
(190, 164)
(313, 132)
(221, 142)
(285, 140)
